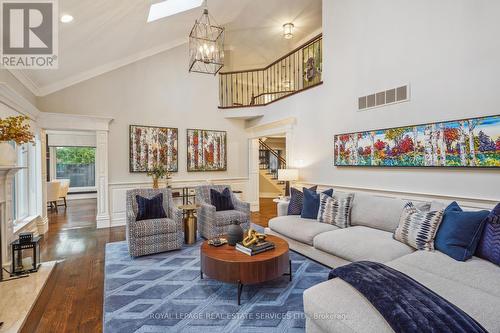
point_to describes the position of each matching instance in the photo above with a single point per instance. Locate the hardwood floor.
(74, 304)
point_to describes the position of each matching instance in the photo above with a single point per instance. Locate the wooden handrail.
(271, 150)
(312, 40)
(239, 105)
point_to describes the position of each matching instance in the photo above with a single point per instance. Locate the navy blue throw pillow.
(459, 233)
(297, 200)
(489, 245)
(311, 203)
(221, 200)
(148, 209)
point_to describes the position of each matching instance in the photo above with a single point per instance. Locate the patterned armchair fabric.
(156, 235)
(212, 223)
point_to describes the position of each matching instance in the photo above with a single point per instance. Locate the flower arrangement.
(159, 171)
(15, 129)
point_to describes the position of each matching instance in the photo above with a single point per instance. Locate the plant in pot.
(13, 129)
(159, 171)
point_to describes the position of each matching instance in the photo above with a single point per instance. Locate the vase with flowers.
(13, 130)
(157, 172)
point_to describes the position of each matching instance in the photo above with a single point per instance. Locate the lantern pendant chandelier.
(206, 45)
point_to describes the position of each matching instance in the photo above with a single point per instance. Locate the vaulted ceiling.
(108, 34)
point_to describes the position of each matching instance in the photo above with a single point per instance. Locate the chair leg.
(65, 203)
(55, 206)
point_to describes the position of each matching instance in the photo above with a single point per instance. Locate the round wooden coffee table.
(226, 264)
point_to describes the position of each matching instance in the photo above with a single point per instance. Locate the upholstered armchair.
(212, 223)
(156, 235)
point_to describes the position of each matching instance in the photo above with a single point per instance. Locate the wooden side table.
(190, 223)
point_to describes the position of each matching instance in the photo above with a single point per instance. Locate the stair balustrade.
(295, 72)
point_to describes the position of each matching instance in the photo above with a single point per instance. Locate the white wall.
(156, 91)
(448, 51)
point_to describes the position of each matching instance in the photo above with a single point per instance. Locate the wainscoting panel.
(464, 202)
(118, 193)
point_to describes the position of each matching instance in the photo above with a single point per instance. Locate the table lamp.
(288, 175)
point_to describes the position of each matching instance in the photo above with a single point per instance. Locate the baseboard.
(103, 221)
(82, 196)
(43, 225)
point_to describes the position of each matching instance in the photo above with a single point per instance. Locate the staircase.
(270, 161)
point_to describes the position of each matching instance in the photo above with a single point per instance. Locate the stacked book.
(255, 248)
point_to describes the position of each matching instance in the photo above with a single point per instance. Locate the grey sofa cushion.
(361, 243)
(358, 315)
(376, 212)
(335, 306)
(475, 272)
(299, 229)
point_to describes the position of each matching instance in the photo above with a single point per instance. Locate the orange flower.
(14, 129)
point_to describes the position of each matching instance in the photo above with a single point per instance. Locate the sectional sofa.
(335, 306)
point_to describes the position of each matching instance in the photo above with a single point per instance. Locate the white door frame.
(99, 125)
(281, 127)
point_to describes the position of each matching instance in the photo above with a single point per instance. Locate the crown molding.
(108, 67)
(17, 102)
(22, 77)
(73, 122)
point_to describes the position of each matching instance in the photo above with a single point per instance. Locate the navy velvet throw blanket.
(408, 306)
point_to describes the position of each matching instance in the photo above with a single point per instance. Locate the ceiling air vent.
(391, 96)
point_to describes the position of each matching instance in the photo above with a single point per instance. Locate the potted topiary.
(13, 129)
(159, 171)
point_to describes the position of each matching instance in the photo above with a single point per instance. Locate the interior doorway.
(71, 173)
(272, 157)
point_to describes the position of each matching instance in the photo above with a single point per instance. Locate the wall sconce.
(288, 30)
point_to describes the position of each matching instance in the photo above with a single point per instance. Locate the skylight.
(171, 7)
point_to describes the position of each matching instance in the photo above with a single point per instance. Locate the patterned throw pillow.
(489, 245)
(221, 200)
(335, 210)
(297, 200)
(418, 228)
(149, 209)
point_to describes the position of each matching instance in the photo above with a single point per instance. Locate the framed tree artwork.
(153, 145)
(471, 143)
(206, 150)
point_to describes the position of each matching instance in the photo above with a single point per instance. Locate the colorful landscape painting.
(463, 143)
(153, 145)
(206, 150)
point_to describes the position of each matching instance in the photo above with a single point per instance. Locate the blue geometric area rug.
(164, 293)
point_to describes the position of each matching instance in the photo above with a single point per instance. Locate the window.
(76, 164)
(21, 185)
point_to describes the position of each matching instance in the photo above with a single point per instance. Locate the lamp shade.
(288, 174)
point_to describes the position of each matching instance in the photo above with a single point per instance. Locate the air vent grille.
(390, 96)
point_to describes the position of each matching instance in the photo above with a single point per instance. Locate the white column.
(253, 175)
(103, 219)
(41, 183)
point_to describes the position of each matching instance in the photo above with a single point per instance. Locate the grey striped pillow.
(335, 210)
(418, 228)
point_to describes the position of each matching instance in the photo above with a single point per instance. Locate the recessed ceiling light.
(66, 18)
(171, 7)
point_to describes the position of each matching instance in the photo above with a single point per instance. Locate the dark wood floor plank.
(75, 303)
